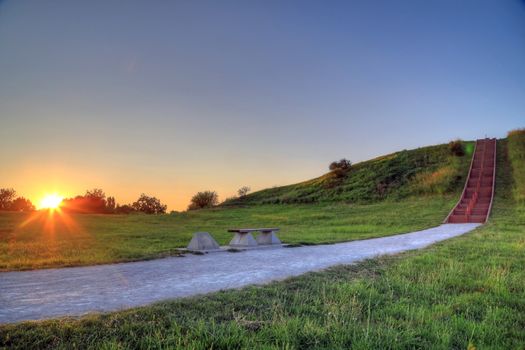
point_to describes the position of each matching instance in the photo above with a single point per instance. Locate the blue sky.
(169, 98)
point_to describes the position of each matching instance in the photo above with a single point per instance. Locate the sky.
(169, 98)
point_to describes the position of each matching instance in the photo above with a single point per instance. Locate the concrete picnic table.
(243, 237)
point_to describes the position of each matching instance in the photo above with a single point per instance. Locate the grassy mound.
(464, 293)
(422, 171)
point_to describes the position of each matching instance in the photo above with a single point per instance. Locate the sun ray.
(51, 201)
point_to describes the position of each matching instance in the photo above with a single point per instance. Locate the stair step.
(479, 185)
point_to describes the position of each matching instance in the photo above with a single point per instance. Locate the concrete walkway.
(40, 294)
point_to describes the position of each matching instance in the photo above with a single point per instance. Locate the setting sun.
(51, 201)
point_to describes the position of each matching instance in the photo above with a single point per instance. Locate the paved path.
(40, 294)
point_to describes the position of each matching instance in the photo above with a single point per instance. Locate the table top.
(246, 230)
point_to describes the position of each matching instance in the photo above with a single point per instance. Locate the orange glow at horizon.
(50, 201)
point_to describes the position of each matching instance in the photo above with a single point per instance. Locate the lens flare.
(51, 201)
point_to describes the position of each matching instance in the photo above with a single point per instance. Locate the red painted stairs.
(476, 199)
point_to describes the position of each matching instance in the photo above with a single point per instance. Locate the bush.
(456, 148)
(340, 168)
(205, 199)
(124, 209)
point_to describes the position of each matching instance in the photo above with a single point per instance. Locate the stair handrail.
(493, 180)
(466, 184)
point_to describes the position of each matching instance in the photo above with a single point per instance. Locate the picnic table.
(243, 237)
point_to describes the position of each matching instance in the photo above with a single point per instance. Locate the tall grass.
(516, 144)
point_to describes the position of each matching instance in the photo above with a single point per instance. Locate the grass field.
(465, 293)
(94, 239)
(401, 192)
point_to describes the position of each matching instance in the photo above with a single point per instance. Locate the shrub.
(205, 199)
(124, 209)
(340, 168)
(456, 148)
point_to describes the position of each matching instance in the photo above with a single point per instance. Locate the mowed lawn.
(40, 241)
(464, 293)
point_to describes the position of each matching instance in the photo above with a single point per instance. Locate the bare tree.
(243, 191)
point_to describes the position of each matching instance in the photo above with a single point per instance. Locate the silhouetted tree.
(111, 204)
(205, 199)
(7, 195)
(94, 201)
(243, 191)
(95, 193)
(149, 205)
(21, 204)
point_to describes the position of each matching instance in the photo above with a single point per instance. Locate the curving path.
(40, 294)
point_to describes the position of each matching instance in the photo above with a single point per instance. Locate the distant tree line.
(10, 202)
(96, 202)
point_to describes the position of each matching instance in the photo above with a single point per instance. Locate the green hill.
(421, 171)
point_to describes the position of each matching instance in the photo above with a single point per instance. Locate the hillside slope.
(427, 170)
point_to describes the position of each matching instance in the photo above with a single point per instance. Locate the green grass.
(95, 239)
(464, 293)
(401, 192)
(422, 171)
(516, 141)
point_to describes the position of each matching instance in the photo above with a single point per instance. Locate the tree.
(340, 168)
(21, 204)
(149, 205)
(205, 199)
(456, 148)
(111, 204)
(243, 191)
(94, 201)
(7, 195)
(95, 193)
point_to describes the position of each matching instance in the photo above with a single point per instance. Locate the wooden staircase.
(476, 199)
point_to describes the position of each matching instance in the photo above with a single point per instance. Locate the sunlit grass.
(51, 240)
(464, 293)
